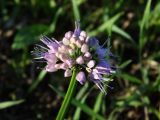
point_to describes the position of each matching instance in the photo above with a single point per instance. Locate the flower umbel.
(77, 50)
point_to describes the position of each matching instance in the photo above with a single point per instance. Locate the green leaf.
(84, 107)
(107, 25)
(121, 32)
(124, 64)
(81, 96)
(98, 104)
(130, 78)
(28, 35)
(55, 18)
(7, 104)
(75, 10)
(144, 25)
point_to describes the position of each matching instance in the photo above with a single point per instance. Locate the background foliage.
(30, 94)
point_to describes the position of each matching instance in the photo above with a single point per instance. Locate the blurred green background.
(134, 30)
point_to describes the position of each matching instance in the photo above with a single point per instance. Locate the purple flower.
(81, 77)
(76, 49)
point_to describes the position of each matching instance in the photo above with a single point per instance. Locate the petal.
(93, 42)
(67, 73)
(101, 52)
(80, 60)
(51, 58)
(81, 77)
(103, 63)
(50, 68)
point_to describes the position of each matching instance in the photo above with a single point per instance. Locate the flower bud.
(66, 41)
(73, 40)
(50, 68)
(63, 57)
(67, 73)
(80, 60)
(70, 62)
(71, 52)
(81, 38)
(87, 39)
(87, 56)
(68, 35)
(84, 48)
(64, 66)
(72, 46)
(91, 63)
(78, 43)
(83, 34)
(81, 77)
(57, 66)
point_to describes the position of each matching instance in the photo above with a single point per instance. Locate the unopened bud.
(81, 77)
(91, 64)
(66, 41)
(80, 60)
(64, 66)
(67, 73)
(73, 40)
(87, 56)
(83, 34)
(84, 48)
(68, 35)
(78, 43)
(81, 38)
(87, 39)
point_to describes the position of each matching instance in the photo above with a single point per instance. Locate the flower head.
(76, 50)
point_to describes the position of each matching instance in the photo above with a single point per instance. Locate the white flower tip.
(67, 73)
(78, 43)
(66, 41)
(83, 34)
(69, 34)
(81, 77)
(80, 60)
(91, 63)
(84, 48)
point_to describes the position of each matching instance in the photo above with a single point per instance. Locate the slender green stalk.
(68, 97)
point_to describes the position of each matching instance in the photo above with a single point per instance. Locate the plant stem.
(68, 97)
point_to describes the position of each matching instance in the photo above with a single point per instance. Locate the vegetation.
(29, 93)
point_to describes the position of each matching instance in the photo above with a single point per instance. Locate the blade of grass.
(121, 32)
(98, 104)
(7, 104)
(53, 24)
(124, 64)
(75, 102)
(75, 10)
(144, 25)
(106, 25)
(130, 78)
(81, 96)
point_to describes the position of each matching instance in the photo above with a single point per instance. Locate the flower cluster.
(78, 50)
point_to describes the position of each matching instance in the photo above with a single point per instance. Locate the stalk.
(68, 97)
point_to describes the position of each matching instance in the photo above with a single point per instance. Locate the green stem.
(68, 97)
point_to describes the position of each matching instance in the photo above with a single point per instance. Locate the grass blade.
(7, 104)
(130, 78)
(75, 10)
(84, 107)
(106, 25)
(144, 24)
(81, 96)
(121, 32)
(98, 104)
